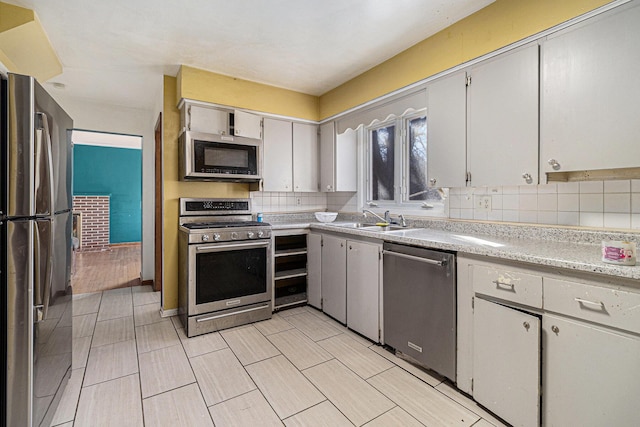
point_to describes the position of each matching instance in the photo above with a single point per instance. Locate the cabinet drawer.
(521, 288)
(611, 307)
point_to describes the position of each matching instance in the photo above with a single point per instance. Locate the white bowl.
(326, 216)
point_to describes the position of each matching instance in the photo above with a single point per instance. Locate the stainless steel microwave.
(210, 157)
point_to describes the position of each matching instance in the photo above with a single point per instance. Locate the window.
(397, 163)
(417, 139)
(382, 163)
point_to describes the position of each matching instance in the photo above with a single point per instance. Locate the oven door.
(227, 275)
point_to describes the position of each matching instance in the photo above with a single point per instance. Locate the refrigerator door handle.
(43, 281)
(45, 182)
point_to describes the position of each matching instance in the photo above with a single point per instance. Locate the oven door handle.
(220, 316)
(221, 247)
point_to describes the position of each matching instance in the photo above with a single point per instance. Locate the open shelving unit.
(290, 270)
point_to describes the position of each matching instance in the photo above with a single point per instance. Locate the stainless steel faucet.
(402, 220)
(386, 215)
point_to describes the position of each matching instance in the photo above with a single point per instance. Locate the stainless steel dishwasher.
(420, 305)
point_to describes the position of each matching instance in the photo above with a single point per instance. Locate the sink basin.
(371, 227)
(355, 225)
(384, 228)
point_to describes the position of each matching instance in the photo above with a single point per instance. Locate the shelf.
(290, 300)
(288, 274)
(290, 252)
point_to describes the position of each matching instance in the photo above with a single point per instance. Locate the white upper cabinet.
(589, 94)
(278, 156)
(247, 125)
(502, 120)
(327, 157)
(338, 159)
(446, 131)
(305, 157)
(290, 156)
(216, 120)
(205, 119)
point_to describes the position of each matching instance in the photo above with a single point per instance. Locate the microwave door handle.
(44, 178)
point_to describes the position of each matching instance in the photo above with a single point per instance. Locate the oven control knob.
(250, 234)
(205, 237)
(234, 235)
(260, 233)
(216, 236)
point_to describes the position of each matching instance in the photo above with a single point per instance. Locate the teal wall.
(115, 172)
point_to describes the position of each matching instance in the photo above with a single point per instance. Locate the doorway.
(107, 205)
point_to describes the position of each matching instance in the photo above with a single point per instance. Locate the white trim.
(101, 139)
(168, 313)
(232, 109)
(4, 71)
(534, 38)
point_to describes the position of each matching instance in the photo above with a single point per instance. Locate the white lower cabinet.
(350, 281)
(553, 349)
(334, 277)
(363, 288)
(591, 375)
(506, 362)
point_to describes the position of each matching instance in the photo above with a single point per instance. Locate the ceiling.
(116, 51)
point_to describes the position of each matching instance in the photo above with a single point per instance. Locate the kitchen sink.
(371, 227)
(384, 228)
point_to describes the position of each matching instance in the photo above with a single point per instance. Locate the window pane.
(382, 158)
(418, 188)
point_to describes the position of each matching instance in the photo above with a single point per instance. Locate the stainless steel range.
(225, 265)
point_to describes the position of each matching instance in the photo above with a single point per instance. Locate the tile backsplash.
(271, 202)
(600, 204)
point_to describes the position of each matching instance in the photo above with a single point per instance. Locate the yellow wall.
(174, 189)
(497, 25)
(201, 85)
(205, 86)
(24, 46)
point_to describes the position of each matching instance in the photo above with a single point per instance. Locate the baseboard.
(125, 244)
(168, 313)
(147, 283)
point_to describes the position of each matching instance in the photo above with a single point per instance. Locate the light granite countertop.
(565, 248)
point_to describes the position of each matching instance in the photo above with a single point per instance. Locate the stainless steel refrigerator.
(35, 251)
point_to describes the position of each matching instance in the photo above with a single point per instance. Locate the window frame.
(401, 202)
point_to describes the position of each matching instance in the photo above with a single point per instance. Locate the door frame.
(158, 246)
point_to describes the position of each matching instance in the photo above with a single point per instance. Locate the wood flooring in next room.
(117, 267)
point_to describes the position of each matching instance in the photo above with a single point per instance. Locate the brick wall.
(95, 221)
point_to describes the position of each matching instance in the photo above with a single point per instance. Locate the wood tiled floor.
(118, 267)
(300, 368)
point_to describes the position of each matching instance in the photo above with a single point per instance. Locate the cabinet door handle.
(499, 284)
(527, 177)
(554, 164)
(598, 304)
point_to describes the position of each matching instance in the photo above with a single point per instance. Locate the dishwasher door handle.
(441, 263)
